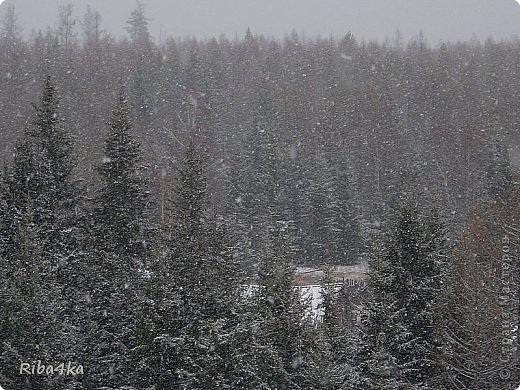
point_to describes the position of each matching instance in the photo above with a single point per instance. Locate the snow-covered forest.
(157, 198)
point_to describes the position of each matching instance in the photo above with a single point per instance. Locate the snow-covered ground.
(308, 282)
(312, 297)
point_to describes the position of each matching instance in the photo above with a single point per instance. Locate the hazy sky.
(369, 19)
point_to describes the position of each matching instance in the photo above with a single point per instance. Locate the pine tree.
(41, 240)
(473, 308)
(141, 66)
(335, 340)
(120, 249)
(195, 290)
(43, 177)
(400, 340)
(482, 298)
(261, 172)
(138, 27)
(375, 367)
(13, 68)
(28, 324)
(42, 180)
(120, 206)
(283, 338)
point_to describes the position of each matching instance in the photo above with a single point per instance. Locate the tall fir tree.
(194, 290)
(282, 339)
(121, 205)
(336, 340)
(472, 329)
(41, 242)
(482, 299)
(43, 177)
(400, 339)
(120, 249)
(141, 66)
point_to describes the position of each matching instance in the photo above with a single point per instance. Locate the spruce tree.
(399, 344)
(482, 297)
(120, 206)
(119, 252)
(41, 242)
(141, 66)
(42, 177)
(336, 341)
(28, 324)
(195, 290)
(472, 329)
(282, 336)
(375, 367)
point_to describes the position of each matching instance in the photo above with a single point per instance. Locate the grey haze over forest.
(439, 20)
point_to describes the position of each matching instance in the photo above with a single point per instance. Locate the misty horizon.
(366, 20)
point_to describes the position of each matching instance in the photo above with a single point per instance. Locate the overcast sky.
(369, 19)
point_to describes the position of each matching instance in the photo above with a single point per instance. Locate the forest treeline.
(330, 128)
(150, 182)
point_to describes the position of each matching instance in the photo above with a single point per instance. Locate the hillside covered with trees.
(147, 185)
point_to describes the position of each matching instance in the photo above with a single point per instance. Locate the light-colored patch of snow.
(311, 296)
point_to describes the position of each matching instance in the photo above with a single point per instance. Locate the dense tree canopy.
(152, 233)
